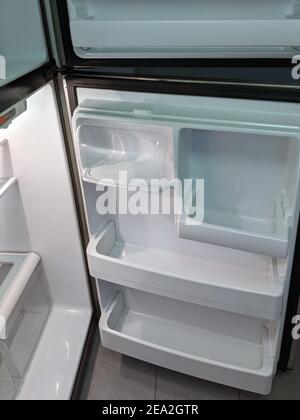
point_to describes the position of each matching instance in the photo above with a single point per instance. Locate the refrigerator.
(92, 88)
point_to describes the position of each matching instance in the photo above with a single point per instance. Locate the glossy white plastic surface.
(46, 218)
(212, 345)
(7, 387)
(24, 306)
(234, 281)
(53, 370)
(38, 214)
(5, 184)
(168, 28)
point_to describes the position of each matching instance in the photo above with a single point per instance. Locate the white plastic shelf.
(212, 345)
(239, 282)
(174, 28)
(142, 35)
(262, 236)
(251, 182)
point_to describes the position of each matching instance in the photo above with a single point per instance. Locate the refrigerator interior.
(22, 39)
(39, 228)
(171, 28)
(223, 279)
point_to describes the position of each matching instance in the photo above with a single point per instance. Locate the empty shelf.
(209, 344)
(267, 237)
(246, 283)
(250, 184)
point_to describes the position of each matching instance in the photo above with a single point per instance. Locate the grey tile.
(175, 386)
(286, 385)
(118, 377)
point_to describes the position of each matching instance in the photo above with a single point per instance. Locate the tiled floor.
(112, 376)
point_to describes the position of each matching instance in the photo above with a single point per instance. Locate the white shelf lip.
(5, 184)
(175, 121)
(259, 243)
(20, 277)
(264, 302)
(275, 243)
(193, 33)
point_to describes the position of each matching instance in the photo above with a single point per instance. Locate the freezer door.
(176, 29)
(23, 46)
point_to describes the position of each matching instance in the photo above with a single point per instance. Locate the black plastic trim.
(85, 359)
(177, 87)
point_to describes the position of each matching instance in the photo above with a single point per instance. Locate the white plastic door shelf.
(212, 345)
(239, 282)
(264, 236)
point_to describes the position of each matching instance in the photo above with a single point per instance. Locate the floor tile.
(175, 386)
(118, 377)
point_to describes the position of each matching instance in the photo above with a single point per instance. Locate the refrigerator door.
(38, 219)
(176, 29)
(161, 278)
(23, 46)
